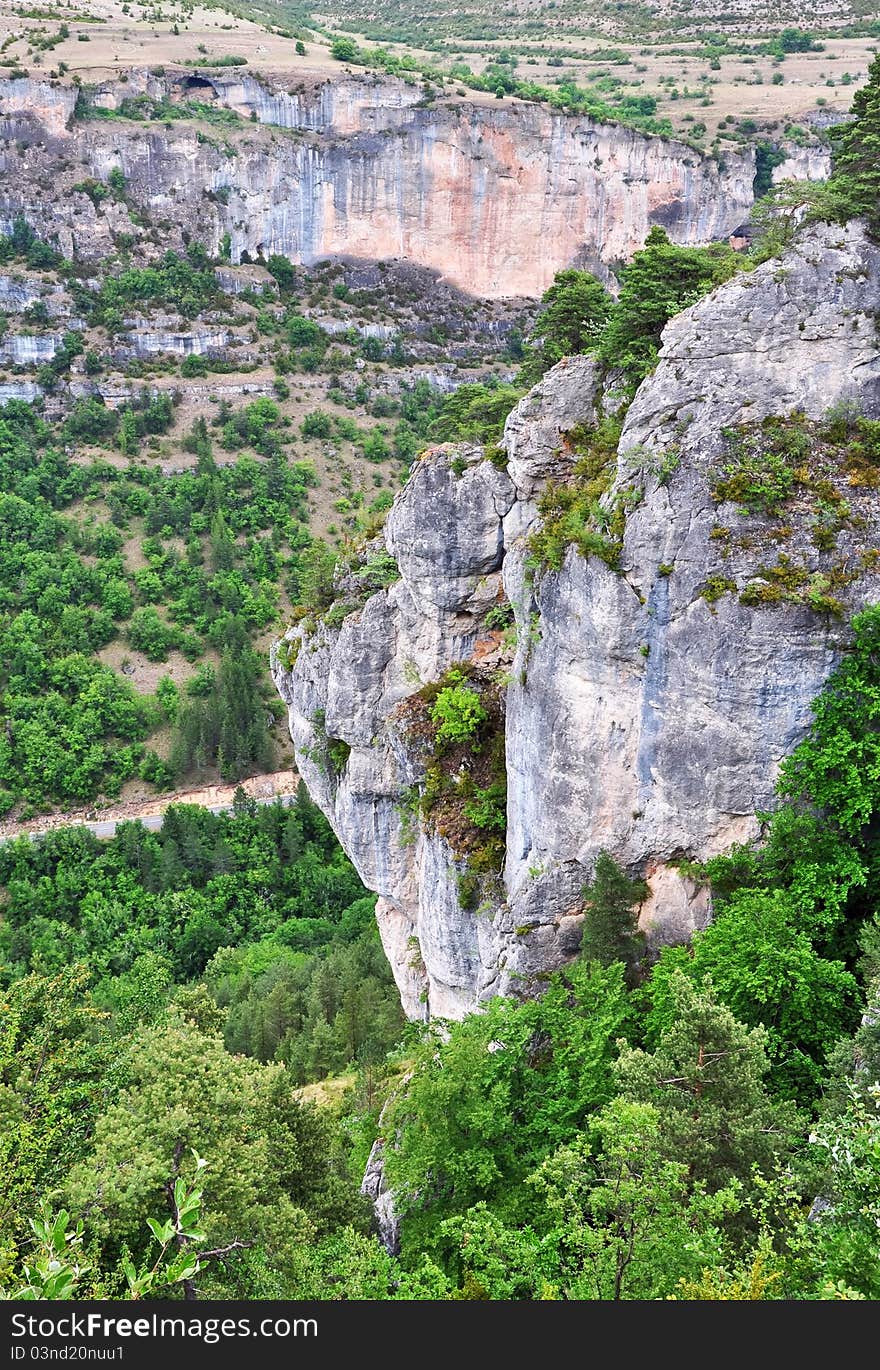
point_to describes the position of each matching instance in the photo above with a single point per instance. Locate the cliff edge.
(496, 198)
(639, 610)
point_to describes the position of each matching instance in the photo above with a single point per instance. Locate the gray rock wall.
(641, 717)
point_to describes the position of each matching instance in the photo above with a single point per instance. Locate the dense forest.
(704, 1127)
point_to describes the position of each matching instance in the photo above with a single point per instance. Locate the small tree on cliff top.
(575, 309)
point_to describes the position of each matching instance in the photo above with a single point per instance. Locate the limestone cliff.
(496, 196)
(661, 671)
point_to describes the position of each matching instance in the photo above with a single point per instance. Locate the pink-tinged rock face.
(497, 198)
(499, 201)
(50, 106)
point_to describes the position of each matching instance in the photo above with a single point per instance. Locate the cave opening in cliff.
(199, 83)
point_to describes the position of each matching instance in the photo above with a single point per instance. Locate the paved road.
(106, 827)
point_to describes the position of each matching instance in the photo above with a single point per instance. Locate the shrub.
(344, 50)
(317, 425)
(458, 710)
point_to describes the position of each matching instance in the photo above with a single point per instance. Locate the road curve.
(106, 827)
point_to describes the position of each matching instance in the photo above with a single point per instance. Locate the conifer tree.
(611, 930)
(707, 1081)
(857, 160)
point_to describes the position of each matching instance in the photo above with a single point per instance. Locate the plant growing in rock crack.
(458, 710)
(456, 724)
(809, 467)
(330, 754)
(572, 511)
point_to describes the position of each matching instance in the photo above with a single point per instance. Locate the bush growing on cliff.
(284, 271)
(660, 281)
(23, 242)
(457, 711)
(184, 283)
(580, 316)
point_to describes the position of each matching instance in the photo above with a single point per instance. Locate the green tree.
(506, 1088)
(763, 965)
(56, 1076)
(344, 49)
(625, 1218)
(148, 633)
(706, 1078)
(611, 931)
(857, 154)
(660, 281)
(474, 412)
(222, 544)
(836, 769)
(313, 586)
(843, 1245)
(275, 1177)
(575, 308)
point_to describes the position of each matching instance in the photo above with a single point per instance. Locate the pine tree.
(574, 309)
(857, 159)
(611, 930)
(707, 1081)
(222, 545)
(661, 279)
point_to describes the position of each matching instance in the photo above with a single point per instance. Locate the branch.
(217, 1252)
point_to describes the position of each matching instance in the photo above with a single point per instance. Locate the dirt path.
(218, 798)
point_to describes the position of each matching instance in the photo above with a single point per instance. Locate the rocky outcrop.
(36, 104)
(240, 280)
(19, 390)
(17, 294)
(653, 694)
(27, 349)
(497, 196)
(809, 163)
(116, 394)
(195, 342)
(375, 1188)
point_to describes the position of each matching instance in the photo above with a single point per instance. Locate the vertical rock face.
(498, 197)
(28, 349)
(196, 342)
(648, 707)
(811, 163)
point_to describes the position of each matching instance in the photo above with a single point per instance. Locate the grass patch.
(456, 726)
